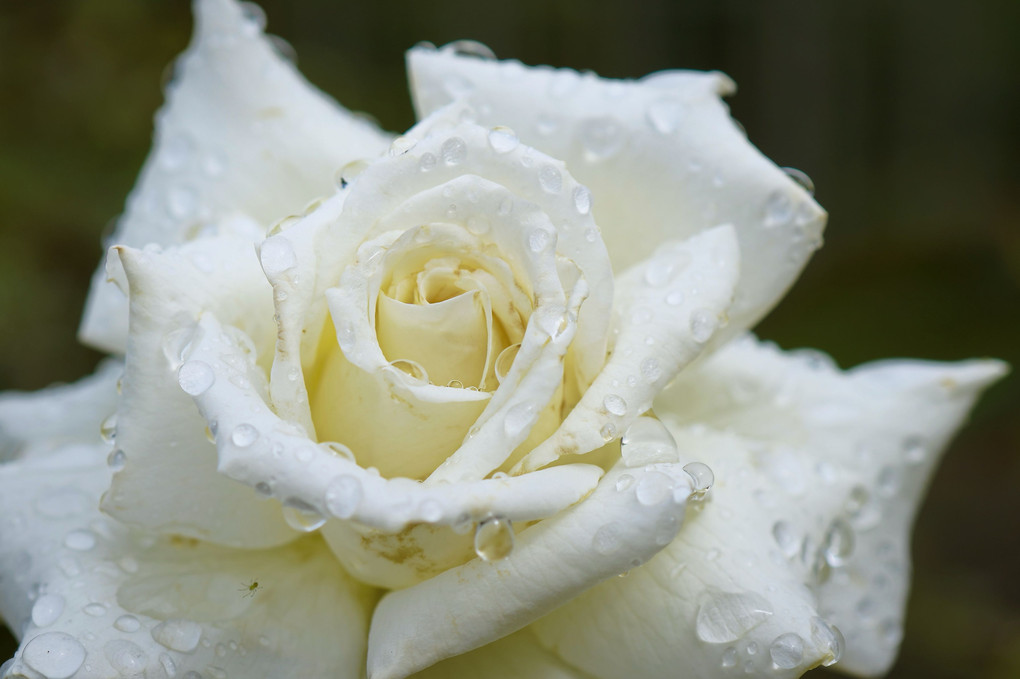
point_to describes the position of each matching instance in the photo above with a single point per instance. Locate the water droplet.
(801, 178)
(55, 655)
(608, 431)
(470, 48)
(503, 139)
(778, 209)
(647, 441)
(658, 273)
(727, 616)
(785, 537)
(582, 200)
(255, 16)
(181, 202)
(600, 138)
(494, 539)
(80, 540)
(401, 145)
(703, 325)
(195, 377)
(591, 235)
(665, 116)
(430, 510)
(349, 172)
(614, 405)
(607, 539)
(339, 449)
(546, 124)
(624, 482)
(550, 179)
(169, 667)
(787, 651)
(47, 609)
(127, 623)
(838, 543)
(539, 240)
(829, 637)
(343, 495)
(889, 480)
(519, 418)
(410, 371)
(116, 460)
(914, 449)
(653, 488)
(453, 151)
(302, 516)
(729, 657)
(890, 631)
(177, 635)
(126, 657)
(505, 360)
(96, 610)
(263, 489)
(277, 256)
(701, 477)
(346, 336)
(650, 369)
(108, 429)
(427, 162)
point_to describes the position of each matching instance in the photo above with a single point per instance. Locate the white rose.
(422, 426)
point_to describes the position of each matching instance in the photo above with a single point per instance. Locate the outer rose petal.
(818, 474)
(661, 156)
(36, 422)
(158, 428)
(88, 595)
(242, 131)
(518, 656)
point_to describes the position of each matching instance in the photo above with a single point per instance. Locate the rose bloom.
(478, 400)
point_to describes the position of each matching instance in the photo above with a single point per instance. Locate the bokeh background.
(905, 113)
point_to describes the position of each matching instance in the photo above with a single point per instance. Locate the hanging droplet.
(787, 651)
(349, 172)
(503, 139)
(116, 459)
(505, 361)
(647, 441)
(302, 516)
(702, 479)
(494, 539)
(828, 636)
(470, 48)
(411, 371)
(801, 178)
(724, 617)
(108, 429)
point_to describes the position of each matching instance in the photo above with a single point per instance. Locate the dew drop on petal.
(80, 540)
(838, 543)
(703, 324)
(430, 510)
(505, 361)
(427, 162)
(55, 655)
(608, 431)
(116, 460)
(503, 139)
(346, 336)
(647, 441)
(674, 298)
(96, 610)
(582, 200)
(600, 138)
(127, 623)
(177, 635)
(126, 657)
(471, 48)
(729, 657)
(401, 145)
(702, 478)
(653, 488)
(195, 377)
(519, 418)
(650, 369)
(302, 516)
(607, 539)
(914, 450)
(787, 651)
(828, 636)
(47, 609)
(277, 255)
(778, 209)
(614, 405)
(339, 450)
(785, 538)
(801, 178)
(550, 179)
(453, 151)
(343, 495)
(494, 539)
(108, 429)
(665, 116)
(727, 616)
(539, 240)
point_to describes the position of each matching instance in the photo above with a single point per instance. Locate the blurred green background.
(905, 114)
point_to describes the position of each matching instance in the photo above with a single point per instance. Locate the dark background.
(905, 113)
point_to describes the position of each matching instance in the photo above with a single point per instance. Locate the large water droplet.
(582, 200)
(401, 145)
(126, 657)
(607, 539)
(703, 325)
(505, 360)
(726, 616)
(494, 539)
(349, 172)
(647, 441)
(787, 651)
(412, 372)
(195, 377)
(177, 635)
(277, 255)
(453, 151)
(244, 435)
(302, 516)
(650, 369)
(614, 405)
(729, 657)
(519, 418)
(47, 609)
(55, 655)
(653, 488)
(470, 48)
(503, 139)
(343, 495)
(550, 179)
(829, 637)
(702, 479)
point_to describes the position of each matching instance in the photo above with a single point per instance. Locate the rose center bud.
(444, 316)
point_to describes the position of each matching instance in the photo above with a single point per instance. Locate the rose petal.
(86, 594)
(625, 521)
(518, 655)
(315, 483)
(158, 428)
(242, 132)
(661, 156)
(32, 423)
(786, 544)
(669, 306)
